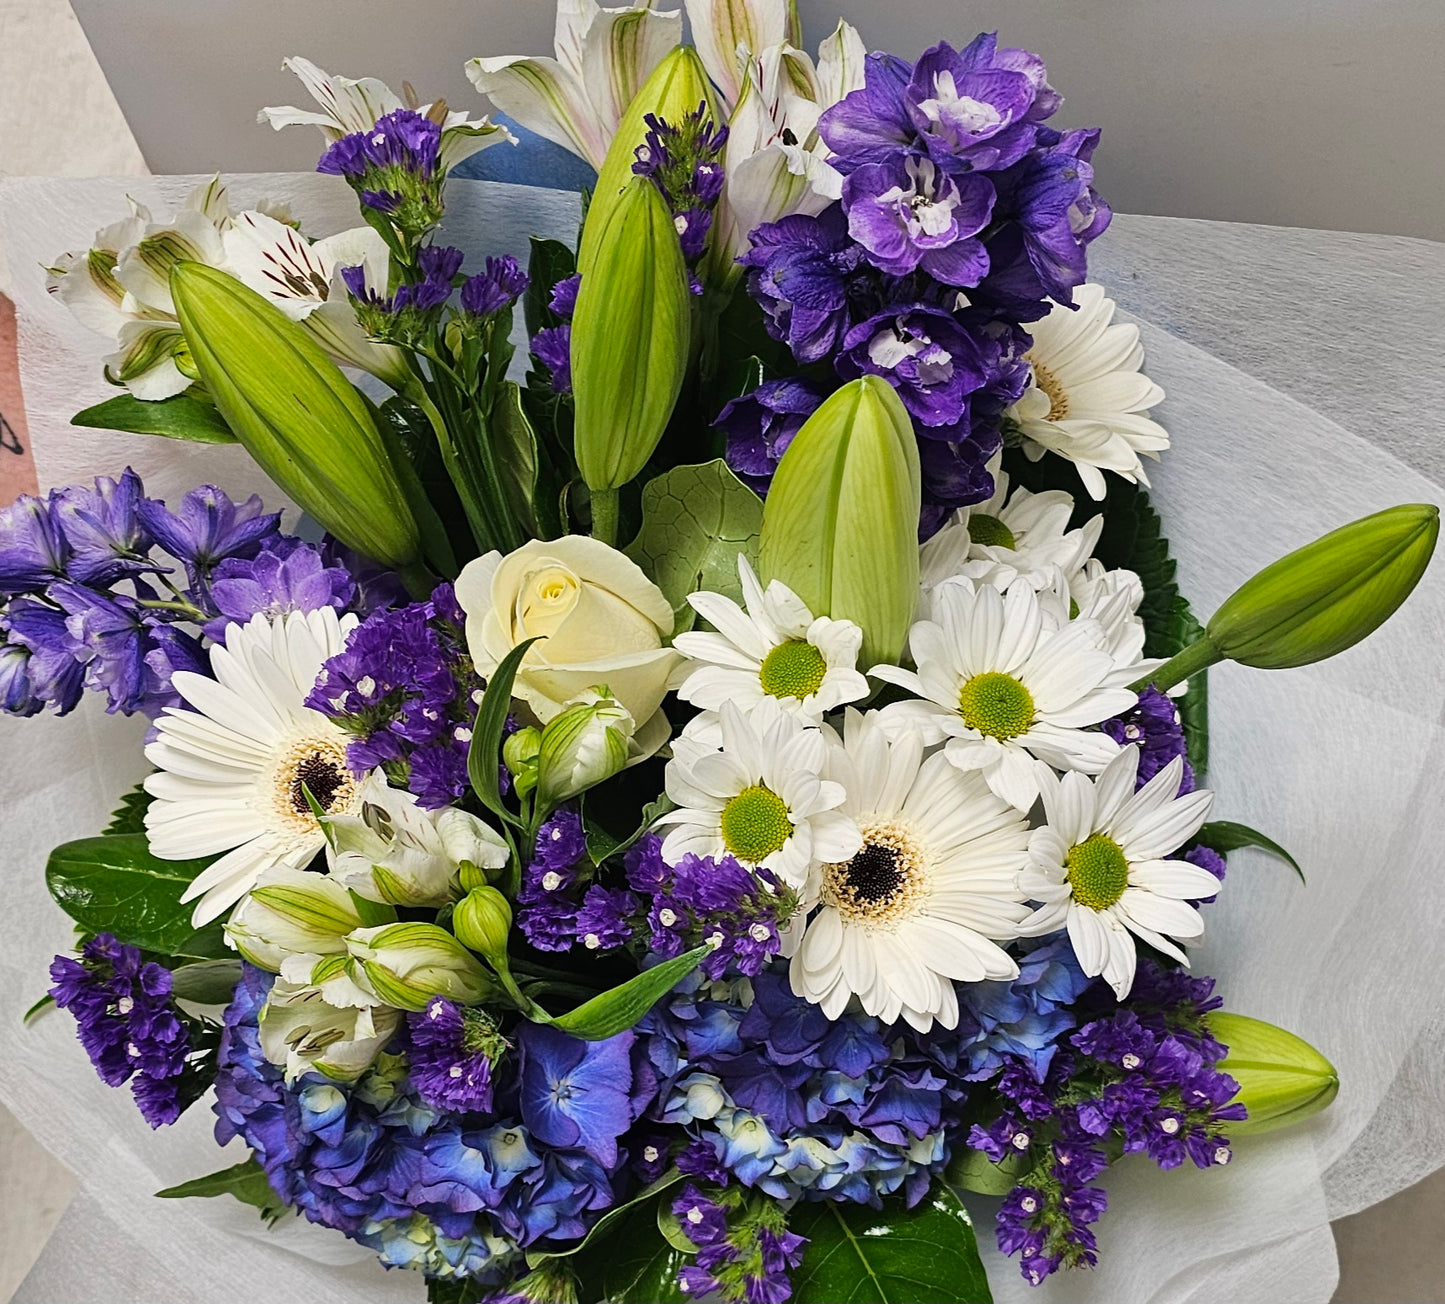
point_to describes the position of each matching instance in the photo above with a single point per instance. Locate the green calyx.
(793, 669)
(755, 824)
(997, 705)
(1098, 873)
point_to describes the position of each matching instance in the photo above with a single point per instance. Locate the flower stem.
(604, 516)
(1198, 656)
(187, 609)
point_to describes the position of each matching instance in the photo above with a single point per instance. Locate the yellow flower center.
(755, 824)
(1097, 872)
(996, 704)
(990, 532)
(1053, 387)
(793, 669)
(884, 883)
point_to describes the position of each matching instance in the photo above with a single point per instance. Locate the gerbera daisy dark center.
(324, 778)
(874, 874)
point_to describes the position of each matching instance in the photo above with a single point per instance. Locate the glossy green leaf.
(551, 261)
(178, 417)
(972, 1170)
(246, 1181)
(46, 1002)
(634, 1264)
(858, 1255)
(207, 982)
(695, 522)
(601, 844)
(1225, 836)
(602, 1230)
(130, 815)
(113, 884)
(484, 758)
(616, 1011)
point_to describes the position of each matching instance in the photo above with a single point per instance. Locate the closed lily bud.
(840, 525)
(1328, 595)
(482, 922)
(295, 413)
(291, 912)
(630, 338)
(586, 743)
(407, 964)
(1282, 1078)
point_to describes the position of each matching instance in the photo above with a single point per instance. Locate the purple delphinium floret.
(33, 549)
(105, 530)
(761, 424)
(110, 637)
(56, 677)
(206, 528)
(288, 575)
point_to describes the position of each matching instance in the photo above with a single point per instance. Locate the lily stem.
(1198, 656)
(604, 516)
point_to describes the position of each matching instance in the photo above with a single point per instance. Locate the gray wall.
(1320, 113)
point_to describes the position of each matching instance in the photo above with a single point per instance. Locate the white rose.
(600, 619)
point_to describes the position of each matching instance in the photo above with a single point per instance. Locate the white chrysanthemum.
(1007, 689)
(759, 797)
(1112, 598)
(1018, 535)
(774, 648)
(231, 770)
(1087, 400)
(1099, 866)
(925, 899)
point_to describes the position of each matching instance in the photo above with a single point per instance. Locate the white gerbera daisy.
(775, 648)
(233, 770)
(1018, 535)
(1006, 690)
(924, 900)
(1087, 400)
(759, 797)
(1099, 866)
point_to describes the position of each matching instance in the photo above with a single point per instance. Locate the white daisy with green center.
(1086, 399)
(924, 901)
(1100, 866)
(771, 647)
(233, 771)
(759, 797)
(1018, 535)
(1009, 693)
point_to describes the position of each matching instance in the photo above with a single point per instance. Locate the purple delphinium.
(34, 551)
(453, 1054)
(206, 528)
(500, 286)
(761, 424)
(107, 535)
(55, 676)
(552, 347)
(110, 638)
(288, 575)
(128, 1025)
(576, 1094)
(1155, 728)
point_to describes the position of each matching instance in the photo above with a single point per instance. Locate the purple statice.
(563, 300)
(287, 575)
(1154, 726)
(761, 424)
(103, 525)
(207, 528)
(34, 551)
(1210, 860)
(128, 1025)
(406, 313)
(550, 881)
(604, 918)
(744, 1249)
(500, 286)
(405, 689)
(453, 1054)
(684, 162)
(395, 168)
(552, 347)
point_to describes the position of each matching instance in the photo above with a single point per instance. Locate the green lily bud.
(296, 414)
(291, 912)
(519, 755)
(840, 525)
(676, 87)
(482, 921)
(407, 964)
(1282, 1078)
(586, 743)
(471, 875)
(629, 339)
(1328, 595)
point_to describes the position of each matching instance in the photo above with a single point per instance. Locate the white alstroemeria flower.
(303, 278)
(302, 1033)
(774, 648)
(759, 797)
(577, 99)
(1018, 535)
(84, 280)
(924, 902)
(349, 106)
(775, 162)
(1006, 693)
(724, 30)
(1100, 866)
(1087, 400)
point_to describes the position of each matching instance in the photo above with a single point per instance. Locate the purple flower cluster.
(405, 689)
(405, 314)
(761, 424)
(453, 1053)
(91, 604)
(1142, 1077)
(684, 162)
(548, 918)
(128, 1025)
(1154, 726)
(744, 1248)
(499, 286)
(552, 345)
(394, 167)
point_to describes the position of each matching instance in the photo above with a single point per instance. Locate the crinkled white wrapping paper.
(1304, 390)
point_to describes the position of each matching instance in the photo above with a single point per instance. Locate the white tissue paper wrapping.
(1304, 390)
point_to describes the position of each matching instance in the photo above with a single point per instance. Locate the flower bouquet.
(705, 798)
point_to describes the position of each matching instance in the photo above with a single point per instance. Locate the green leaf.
(695, 522)
(858, 1255)
(972, 1170)
(1225, 836)
(129, 816)
(484, 757)
(671, 1230)
(635, 1263)
(436, 544)
(246, 1181)
(39, 1008)
(113, 884)
(610, 1219)
(615, 1011)
(551, 261)
(516, 445)
(179, 417)
(601, 844)
(207, 982)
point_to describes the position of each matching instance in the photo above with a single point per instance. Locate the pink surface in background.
(17, 466)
